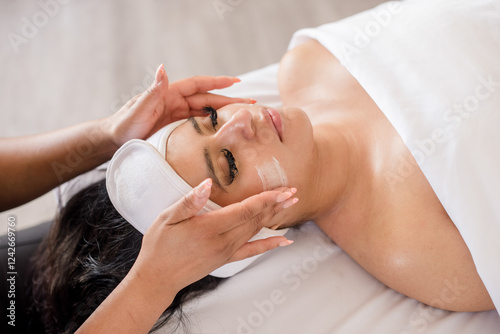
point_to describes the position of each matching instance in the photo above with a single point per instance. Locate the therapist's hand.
(180, 247)
(164, 103)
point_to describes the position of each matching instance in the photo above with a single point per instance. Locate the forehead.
(184, 152)
(185, 147)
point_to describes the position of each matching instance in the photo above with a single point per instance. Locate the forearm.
(33, 165)
(133, 307)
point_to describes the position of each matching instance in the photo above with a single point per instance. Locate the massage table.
(419, 61)
(409, 56)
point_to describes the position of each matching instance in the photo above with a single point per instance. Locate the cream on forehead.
(272, 175)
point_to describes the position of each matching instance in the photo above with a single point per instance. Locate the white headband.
(141, 184)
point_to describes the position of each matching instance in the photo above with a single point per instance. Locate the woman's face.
(245, 149)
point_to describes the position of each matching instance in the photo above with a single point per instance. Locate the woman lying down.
(338, 145)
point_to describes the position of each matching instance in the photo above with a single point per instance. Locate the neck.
(342, 169)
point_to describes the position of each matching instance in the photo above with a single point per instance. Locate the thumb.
(190, 204)
(155, 92)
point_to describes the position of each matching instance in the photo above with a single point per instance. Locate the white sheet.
(433, 69)
(313, 286)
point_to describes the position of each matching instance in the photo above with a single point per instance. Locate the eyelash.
(212, 114)
(233, 170)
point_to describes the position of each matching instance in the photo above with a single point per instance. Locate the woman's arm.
(180, 248)
(31, 166)
(131, 308)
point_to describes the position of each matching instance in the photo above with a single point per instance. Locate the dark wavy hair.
(86, 254)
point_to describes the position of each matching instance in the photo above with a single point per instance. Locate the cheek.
(271, 174)
(258, 176)
(236, 193)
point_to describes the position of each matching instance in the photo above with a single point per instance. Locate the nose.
(238, 126)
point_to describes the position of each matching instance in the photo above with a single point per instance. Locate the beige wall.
(63, 62)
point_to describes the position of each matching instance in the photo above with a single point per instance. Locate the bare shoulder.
(429, 261)
(311, 72)
(406, 238)
(411, 245)
(417, 251)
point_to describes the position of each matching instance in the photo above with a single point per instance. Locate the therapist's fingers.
(138, 118)
(257, 247)
(155, 92)
(240, 234)
(261, 209)
(202, 84)
(189, 205)
(133, 100)
(198, 101)
(254, 212)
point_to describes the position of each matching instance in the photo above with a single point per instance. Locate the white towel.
(433, 68)
(141, 184)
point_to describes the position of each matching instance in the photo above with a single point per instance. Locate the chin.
(297, 128)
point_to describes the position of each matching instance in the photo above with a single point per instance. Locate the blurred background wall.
(68, 61)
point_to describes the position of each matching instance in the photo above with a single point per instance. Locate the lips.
(276, 120)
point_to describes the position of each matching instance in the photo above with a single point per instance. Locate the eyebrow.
(196, 126)
(208, 157)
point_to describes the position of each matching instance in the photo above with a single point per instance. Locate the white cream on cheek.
(272, 175)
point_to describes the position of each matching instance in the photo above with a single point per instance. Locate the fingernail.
(159, 74)
(285, 243)
(283, 196)
(293, 190)
(290, 202)
(252, 101)
(203, 188)
(236, 80)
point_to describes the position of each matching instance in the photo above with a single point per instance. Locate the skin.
(34, 165)
(164, 265)
(247, 131)
(339, 151)
(195, 246)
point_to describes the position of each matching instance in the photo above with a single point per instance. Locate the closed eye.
(212, 114)
(233, 171)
